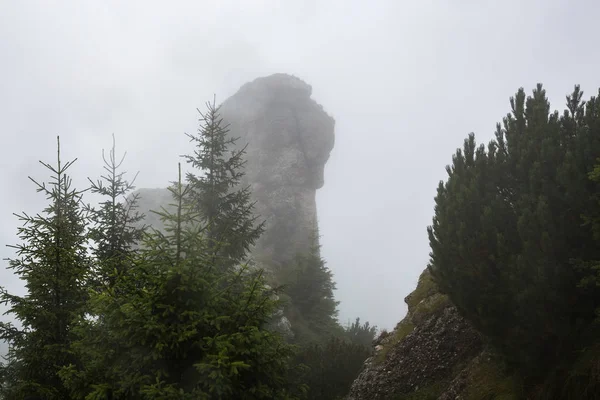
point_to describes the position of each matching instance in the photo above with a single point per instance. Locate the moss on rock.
(403, 329)
(426, 287)
(429, 307)
(433, 353)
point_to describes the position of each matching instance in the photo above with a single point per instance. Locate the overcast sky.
(406, 82)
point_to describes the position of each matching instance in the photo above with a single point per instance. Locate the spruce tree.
(308, 287)
(52, 261)
(181, 327)
(225, 208)
(330, 356)
(114, 230)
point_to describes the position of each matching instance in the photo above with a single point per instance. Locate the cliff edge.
(433, 353)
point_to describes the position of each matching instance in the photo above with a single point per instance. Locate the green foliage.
(334, 361)
(9, 375)
(429, 307)
(425, 288)
(53, 263)
(112, 229)
(488, 380)
(113, 235)
(225, 209)
(402, 330)
(590, 283)
(360, 334)
(333, 366)
(308, 288)
(423, 302)
(507, 229)
(179, 327)
(333, 355)
(183, 316)
(184, 319)
(581, 378)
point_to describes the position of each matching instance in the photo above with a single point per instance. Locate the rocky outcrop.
(433, 353)
(288, 138)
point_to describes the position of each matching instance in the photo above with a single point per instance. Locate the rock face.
(433, 353)
(288, 138)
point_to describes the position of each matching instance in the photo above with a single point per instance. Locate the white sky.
(405, 81)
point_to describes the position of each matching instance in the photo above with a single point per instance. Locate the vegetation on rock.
(508, 308)
(510, 247)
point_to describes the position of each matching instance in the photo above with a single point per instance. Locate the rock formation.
(433, 353)
(288, 137)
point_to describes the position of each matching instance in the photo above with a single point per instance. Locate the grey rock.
(288, 138)
(438, 346)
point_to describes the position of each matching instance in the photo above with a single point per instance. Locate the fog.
(405, 81)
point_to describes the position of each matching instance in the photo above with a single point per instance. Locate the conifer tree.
(508, 225)
(330, 355)
(53, 263)
(181, 327)
(226, 210)
(334, 363)
(9, 370)
(361, 334)
(332, 367)
(114, 231)
(308, 285)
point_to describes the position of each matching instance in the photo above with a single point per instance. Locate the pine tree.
(361, 334)
(332, 367)
(472, 234)
(508, 224)
(53, 263)
(225, 208)
(181, 327)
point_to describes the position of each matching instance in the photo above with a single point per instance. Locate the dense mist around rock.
(287, 138)
(351, 112)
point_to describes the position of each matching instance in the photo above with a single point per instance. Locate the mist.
(405, 81)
